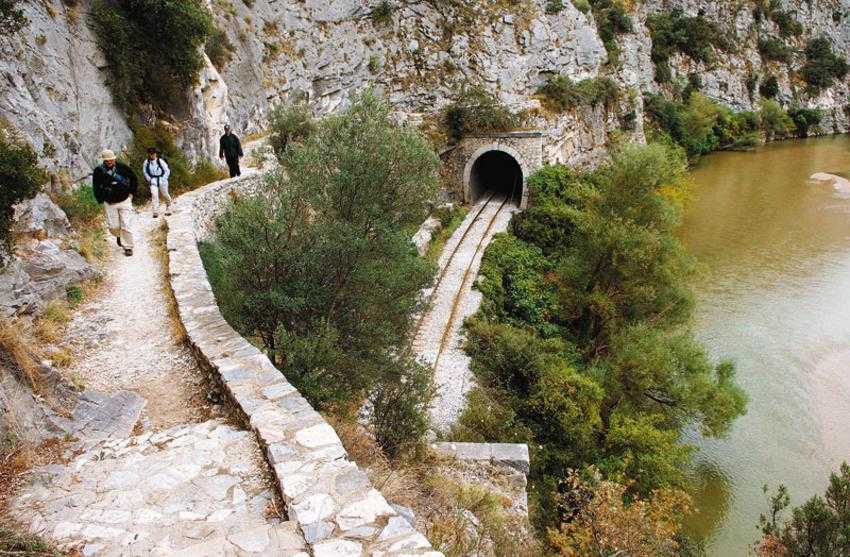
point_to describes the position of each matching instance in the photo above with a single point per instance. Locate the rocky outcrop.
(52, 88)
(419, 57)
(42, 266)
(427, 51)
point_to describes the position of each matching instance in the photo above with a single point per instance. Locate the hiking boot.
(119, 241)
(128, 252)
(156, 215)
(168, 212)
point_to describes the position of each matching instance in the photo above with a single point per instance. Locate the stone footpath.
(201, 489)
(188, 490)
(333, 502)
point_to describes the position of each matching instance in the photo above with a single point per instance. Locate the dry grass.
(13, 343)
(49, 327)
(160, 252)
(15, 459)
(444, 504)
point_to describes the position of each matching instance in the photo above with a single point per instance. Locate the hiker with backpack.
(114, 184)
(156, 173)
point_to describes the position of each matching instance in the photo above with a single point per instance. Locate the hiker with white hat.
(114, 185)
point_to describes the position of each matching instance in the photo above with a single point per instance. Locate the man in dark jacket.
(114, 184)
(230, 149)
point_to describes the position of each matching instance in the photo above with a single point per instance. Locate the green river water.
(773, 294)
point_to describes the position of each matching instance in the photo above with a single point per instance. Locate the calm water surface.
(773, 295)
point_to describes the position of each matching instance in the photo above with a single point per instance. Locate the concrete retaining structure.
(338, 510)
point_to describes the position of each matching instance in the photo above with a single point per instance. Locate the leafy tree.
(289, 124)
(20, 179)
(152, 48)
(582, 342)
(774, 121)
(701, 125)
(820, 527)
(804, 119)
(320, 268)
(12, 18)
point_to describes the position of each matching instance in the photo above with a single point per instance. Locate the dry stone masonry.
(333, 503)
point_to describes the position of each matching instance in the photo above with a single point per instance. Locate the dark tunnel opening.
(496, 172)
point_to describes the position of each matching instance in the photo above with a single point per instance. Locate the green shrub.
(775, 50)
(769, 88)
(477, 111)
(816, 528)
(75, 295)
(319, 267)
(562, 94)
(774, 120)
(79, 204)
(822, 65)
(788, 25)
(701, 125)
(582, 5)
(400, 401)
(382, 14)
(20, 179)
(751, 83)
(12, 18)
(804, 119)
(694, 36)
(289, 124)
(611, 20)
(219, 48)
(554, 6)
(693, 86)
(152, 49)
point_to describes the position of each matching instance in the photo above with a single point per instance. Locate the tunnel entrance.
(496, 172)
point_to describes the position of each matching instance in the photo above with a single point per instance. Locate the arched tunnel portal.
(495, 170)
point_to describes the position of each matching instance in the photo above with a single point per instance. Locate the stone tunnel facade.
(494, 162)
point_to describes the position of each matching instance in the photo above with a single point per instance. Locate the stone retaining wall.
(338, 510)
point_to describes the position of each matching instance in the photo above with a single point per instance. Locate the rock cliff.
(419, 53)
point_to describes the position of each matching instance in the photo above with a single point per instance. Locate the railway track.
(451, 301)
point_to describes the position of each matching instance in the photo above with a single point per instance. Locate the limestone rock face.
(52, 77)
(42, 267)
(40, 218)
(52, 88)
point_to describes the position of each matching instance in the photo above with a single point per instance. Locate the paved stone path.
(184, 486)
(438, 341)
(189, 490)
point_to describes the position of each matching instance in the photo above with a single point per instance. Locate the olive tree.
(319, 265)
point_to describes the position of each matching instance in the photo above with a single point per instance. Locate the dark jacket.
(113, 185)
(229, 146)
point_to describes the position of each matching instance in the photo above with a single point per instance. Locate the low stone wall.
(338, 510)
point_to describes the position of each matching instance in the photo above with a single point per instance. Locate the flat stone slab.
(189, 490)
(107, 416)
(514, 455)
